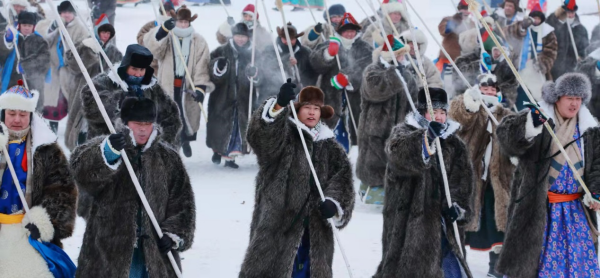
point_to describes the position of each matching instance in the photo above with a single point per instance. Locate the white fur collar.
(451, 129)
(545, 29)
(586, 120)
(41, 134)
(116, 79)
(324, 133)
(153, 136)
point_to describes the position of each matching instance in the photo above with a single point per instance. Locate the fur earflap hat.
(488, 80)
(241, 29)
(537, 12)
(393, 6)
(19, 98)
(569, 84)
(26, 17)
(439, 99)
(291, 30)
(183, 13)
(313, 95)
(65, 6)
(250, 10)
(514, 2)
(138, 110)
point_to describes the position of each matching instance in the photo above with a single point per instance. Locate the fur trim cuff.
(217, 72)
(39, 217)
(327, 56)
(176, 239)
(338, 218)
(115, 166)
(267, 114)
(531, 131)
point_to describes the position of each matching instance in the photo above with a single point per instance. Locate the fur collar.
(453, 126)
(116, 79)
(586, 120)
(545, 28)
(324, 133)
(41, 134)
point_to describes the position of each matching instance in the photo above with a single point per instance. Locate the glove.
(328, 209)
(53, 27)
(199, 93)
(286, 93)
(230, 20)
(169, 24)
(165, 244)
(495, 16)
(340, 81)
(526, 23)
(221, 63)
(117, 141)
(251, 71)
(536, 115)
(319, 28)
(451, 213)
(434, 130)
(34, 232)
(334, 46)
(9, 37)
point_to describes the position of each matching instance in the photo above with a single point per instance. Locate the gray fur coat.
(414, 197)
(110, 235)
(528, 207)
(588, 67)
(384, 105)
(286, 196)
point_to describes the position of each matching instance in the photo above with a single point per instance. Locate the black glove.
(400, 68)
(451, 213)
(199, 94)
(434, 130)
(495, 16)
(251, 71)
(33, 230)
(319, 28)
(117, 141)
(286, 93)
(169, 24)
(536, 115)
(221, 63)
(230, 20)
(165, 244)
(328, 209)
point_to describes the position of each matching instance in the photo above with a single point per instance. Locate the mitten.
(286, 93)
(435, 130)
(169, 24)
(340, 81)
(199, 93)
(117, 141)
(328, 209)
(230, 20)
(251, 71)
(165, 244)
(536, 114)
(334, 46)
(451, 213)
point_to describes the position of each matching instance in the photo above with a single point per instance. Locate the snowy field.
(225, 197)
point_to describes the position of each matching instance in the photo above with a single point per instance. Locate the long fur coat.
(566, 60)
(474, 122)
(528, 207)
(384, 105)
(286, 196)
(588, 67)
(110, 235)
(414, 198)
(353, 62)
(91, 59)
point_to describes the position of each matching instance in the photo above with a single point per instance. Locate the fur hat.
(337, 9)
(183, 13)
(569, 84)
(241, 29)
(65, 6)
(26, 17)
(23, 3)
(537, 12)
(421, 39)
(462, 5)
(249, 9)
(103, 25)
(348, 22)
(488, 80)
(393, 6)
(439, 99)
(19, 98)
(570, 5)
(136, 56)
(138, 110)
(313, 95)
(514, 2)
(291, 30)
(398, 48)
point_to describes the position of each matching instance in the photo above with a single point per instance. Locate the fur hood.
(416, 120)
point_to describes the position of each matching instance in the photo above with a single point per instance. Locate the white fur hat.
(19, 98)
(390, 6)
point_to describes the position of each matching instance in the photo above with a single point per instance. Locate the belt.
(178, 82)
(11, 218)
(561, 198)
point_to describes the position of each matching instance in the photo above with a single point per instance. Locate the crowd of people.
(516, 193)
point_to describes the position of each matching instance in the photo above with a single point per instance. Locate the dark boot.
(231, 164)
(187, 150)
(297, 9)
(275, 9)
(493, 259)
(216, 158)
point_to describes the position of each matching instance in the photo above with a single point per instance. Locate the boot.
(297, 9)
(187, 150)
(231, 164)
(493, 259)
(275, 9)
(216, 158)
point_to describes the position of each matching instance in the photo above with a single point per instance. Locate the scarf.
(315, 130)
(185, 38)
(564, 129)
(347, 43)
(135, 83)
(17, 135)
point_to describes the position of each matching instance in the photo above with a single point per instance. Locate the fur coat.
(110, 236)
(528, 207)
(384, 105)
(353, 62)
(477, 131)
(322, 38)
(91, 58)
(414, 198)
(566, 60)
(51, 195)
(594, 41)
(372, 34)
(231, 95)
(35, 62)
(588, 67)
(450, 34)
(286, 196)
(545, 58)
(197, 65)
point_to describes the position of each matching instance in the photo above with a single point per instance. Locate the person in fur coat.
(317, 34)
(395, 10)
(119, 239)
(43, 173)
(355, 55)
(290, 233)
(450, 28)
(384, 105)
(546, 201)
(34, 62)
(434, 78)
(416, 216)
(492, 169)
(153, 23)
(172, 75)
(566, 17)
(89, 51)
(230, 71)
(591, 68)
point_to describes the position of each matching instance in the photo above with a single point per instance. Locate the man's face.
(18, 8)
(141, 131)
(293, 40)
(571, 14)
(309, 115)
(396, 17)
(240, 40)
(496, 53)
(412, 48)
(465, 12)
(349, 34)
(488, 90)
(335, 19)
(248, 17)
(67, 16)
(17, 120)
(182, 24)
(104, 36)
(568, 106)
(137, 72)
(439, 115)
(509, 9)
(26, 29)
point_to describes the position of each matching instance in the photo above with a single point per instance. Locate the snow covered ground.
(225, 197)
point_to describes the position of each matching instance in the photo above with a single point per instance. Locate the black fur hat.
(439, 99)
(26, 17)
(65, 6)
(241, 29)
(569, 84)
(138, 110)
(337, 9)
